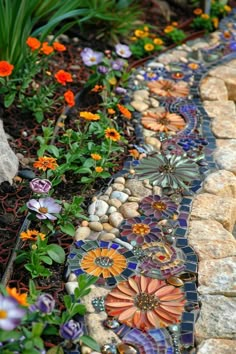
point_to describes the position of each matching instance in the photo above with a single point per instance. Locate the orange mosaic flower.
(89, 116)
(44, 163)
(134, 153)
(20, 298)
(112, 134)
(98, 169)
(69, 98)
(59, 47)
(33, 43)
(5, 68)
(123, 110)
(63, 77)
(197, 11)
(168, 88)
(193, 66)
(32, 235)
(94, 260)
(163, 121)
(145, 303)
(97, 88)
(46, 49)
(96, 157)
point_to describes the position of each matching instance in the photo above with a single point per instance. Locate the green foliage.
(203, 23)
(176, 35)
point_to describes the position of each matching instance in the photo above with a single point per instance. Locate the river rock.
(107, 227)
(107, 236)
(93, 218)
(217, 276)
(104, 197)
(108, 191)
(104, 218)
(213, 89)
(111, 210)
(115, 219)
(71, 286)
(102, 335)
(119, 180)
(115, 202)
(139, 106)
(129, 210)
(82, 233)
(140, 95)
(137, 188)
(118, 187)
(217, 346)
(222, 209)
(134, 199)
(221, 183)
(9, 162)
(120, 196)
(153, 141)
(96, 226)
(211, 240)
(98, 207)
(217, 318)
(224, 128)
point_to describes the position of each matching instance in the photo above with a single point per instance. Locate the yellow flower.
(168, 29)
(227, 8)
(20, 298)
(145, 28)
(205, 16)
(139, 33)
(149, 47)
(112, 134)
(111, 111)
(112, 81)
(158, 41)
(133, 38)
(32, 235)
(89, 116)
(98, 169)
(96, 157)
(215, 22)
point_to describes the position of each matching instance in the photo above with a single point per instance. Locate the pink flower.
(44, 207)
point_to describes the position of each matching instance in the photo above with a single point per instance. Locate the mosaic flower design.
(169, 88)
(108, 261)
(161, 260)
(145, 303)
(158, 207)
(162, 121)
(140, 230)
(167, 171)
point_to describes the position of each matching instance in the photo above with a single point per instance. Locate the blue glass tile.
(187, 249)
(186, 327)
(114, 246)
(185, 208)
(127, 272)
(180, 232)
(188, 317)
(192, 296)
(132, 265)
(191, 267)
(190, 286)
(181, 242)
(182, 223)
(111, 281)
(192, 258)
(79, 243)
(78, 271)
(186, 201)
(104, 244)
(187, 339)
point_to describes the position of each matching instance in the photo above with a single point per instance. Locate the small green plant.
(175, 34)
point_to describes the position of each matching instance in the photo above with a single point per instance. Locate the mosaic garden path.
(170, 213)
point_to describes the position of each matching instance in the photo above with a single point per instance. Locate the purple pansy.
(118, 64)
(44, 208)
(90, 57)
(71, 330)
(120, 90)
(123, 50)
(11, 313)
(45, 303)
(140, 230)
(159, 207)
(102, 69)
(39, 185)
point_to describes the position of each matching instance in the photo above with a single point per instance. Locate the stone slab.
(221, 183)
(228, 75)
(220, 110)
(213, 89)
(217, 346)
(225, 154)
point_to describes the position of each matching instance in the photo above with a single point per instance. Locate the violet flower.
(44, 207)
(90, 57)
(120, 90)
(11, 313)
(39, 185)
(102, 69)
(118, 64)
(45, 303)
(71, 330)
(123, 50)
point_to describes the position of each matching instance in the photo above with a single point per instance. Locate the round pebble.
(115, 202)
(108, 236)
(108, 191)
(120, 196)
(115, 219)
(82, 233)
(107, 227)
(111, 210)
(93, 218)
(119, 180)
(118, 187)
(96, 226)
(104, 197)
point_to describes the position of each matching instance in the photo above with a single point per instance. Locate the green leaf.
(9, 99)
(56, 253)
(84, 170)
(39, 116)
(53, 150)
(88, 163)
(68, 229)
(90, 342)
(37, 329)
(67, 301)
(46, 260)
(55, 350)
(5, 335)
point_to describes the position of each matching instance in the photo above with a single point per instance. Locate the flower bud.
(45, 303)
(71, 330)
(39, 185)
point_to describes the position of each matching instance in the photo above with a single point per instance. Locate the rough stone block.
(221, 183)
(213, 89)
(219, 110)
(225, 154)
(228, 75)
(217, 346)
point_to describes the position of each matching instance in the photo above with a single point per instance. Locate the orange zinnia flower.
(69, 98)
(59, 47)
(123, 110)
(96, 157)
(98, 169)
(46, 49)
(33, 43)
(197, 11)
(20, 298)
(44, 163)
(63, 77)
(5, 68)
(145, 303)
(97, 88)
(112, 134)
(89, 116)
(32, 235)
(111, 111)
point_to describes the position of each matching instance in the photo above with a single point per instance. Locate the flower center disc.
(104, 262)
(159, 206)
(141, 229)
(43, 210)
(146, 301)
(3, 314)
